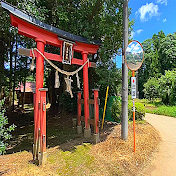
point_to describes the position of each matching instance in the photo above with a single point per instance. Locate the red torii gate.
(44, 34)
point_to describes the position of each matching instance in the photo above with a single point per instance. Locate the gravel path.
(164, 163)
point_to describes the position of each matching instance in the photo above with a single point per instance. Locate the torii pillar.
(87, 130)
(39, 84)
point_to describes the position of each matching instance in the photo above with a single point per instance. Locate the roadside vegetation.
(157, 107)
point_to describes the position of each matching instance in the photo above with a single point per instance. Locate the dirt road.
(164, 163)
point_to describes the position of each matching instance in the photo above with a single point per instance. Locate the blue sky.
(151, 16)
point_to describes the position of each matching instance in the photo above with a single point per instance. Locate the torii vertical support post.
(96, 116)
(87, 130)
(39, 84)
(43, 124)
(79, 127)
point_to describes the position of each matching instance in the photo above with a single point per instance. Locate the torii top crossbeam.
(32, 28)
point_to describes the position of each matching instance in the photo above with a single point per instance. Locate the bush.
(116, 110)
(139, 110)
(4, 131)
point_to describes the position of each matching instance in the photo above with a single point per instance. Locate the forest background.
(93, 19)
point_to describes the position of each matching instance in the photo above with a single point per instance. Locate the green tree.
(167, 52)
(167, 87)
(152, 65)
(151, 88)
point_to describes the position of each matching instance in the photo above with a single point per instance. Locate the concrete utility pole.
(124, 126)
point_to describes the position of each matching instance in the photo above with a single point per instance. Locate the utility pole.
(124, 126)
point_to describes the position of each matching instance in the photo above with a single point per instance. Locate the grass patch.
(157, 107)
(77, 162)
(163, 110)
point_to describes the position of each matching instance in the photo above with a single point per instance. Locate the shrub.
(4, 131)
(116, 110)
(139, 110)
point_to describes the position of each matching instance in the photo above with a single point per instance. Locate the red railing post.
(79, 108)
(87, 131)
(96, 116)
(39, 84)
(43, 124)
(79, 127)
(34, 126)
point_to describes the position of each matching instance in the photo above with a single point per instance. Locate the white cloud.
(164, 20)
(139, 31)
(148, 11)
(133, 33)
(162, 2)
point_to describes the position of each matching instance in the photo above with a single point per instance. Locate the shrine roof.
(61, 34)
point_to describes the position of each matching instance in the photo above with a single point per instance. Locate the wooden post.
(79, 108)
(96, 116)
(79, 127)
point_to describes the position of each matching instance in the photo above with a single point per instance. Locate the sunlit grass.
(157, 107)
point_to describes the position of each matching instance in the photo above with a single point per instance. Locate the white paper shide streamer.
(78, 82)
(32, 65)
(68, 82)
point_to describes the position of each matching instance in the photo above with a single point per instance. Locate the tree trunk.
(14, 78)
(24, 93)
(2, 51)
(53, 97)
(10, 76)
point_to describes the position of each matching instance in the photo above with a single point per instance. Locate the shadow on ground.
(60, 131)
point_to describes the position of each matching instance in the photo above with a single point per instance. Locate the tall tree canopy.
(159, 57)
(93, 19)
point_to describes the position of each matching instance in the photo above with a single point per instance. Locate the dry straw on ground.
(117, 156)
(111, 157)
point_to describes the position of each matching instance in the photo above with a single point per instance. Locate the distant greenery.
(159, 59)
(157, 107)
(163, 87)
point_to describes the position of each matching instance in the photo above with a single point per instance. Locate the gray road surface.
(164, 163)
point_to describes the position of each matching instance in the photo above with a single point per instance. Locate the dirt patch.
(150, 107)
(112, 156)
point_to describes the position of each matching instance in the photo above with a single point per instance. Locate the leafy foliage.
(4, 131)
(116, 109)
(163, 87)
